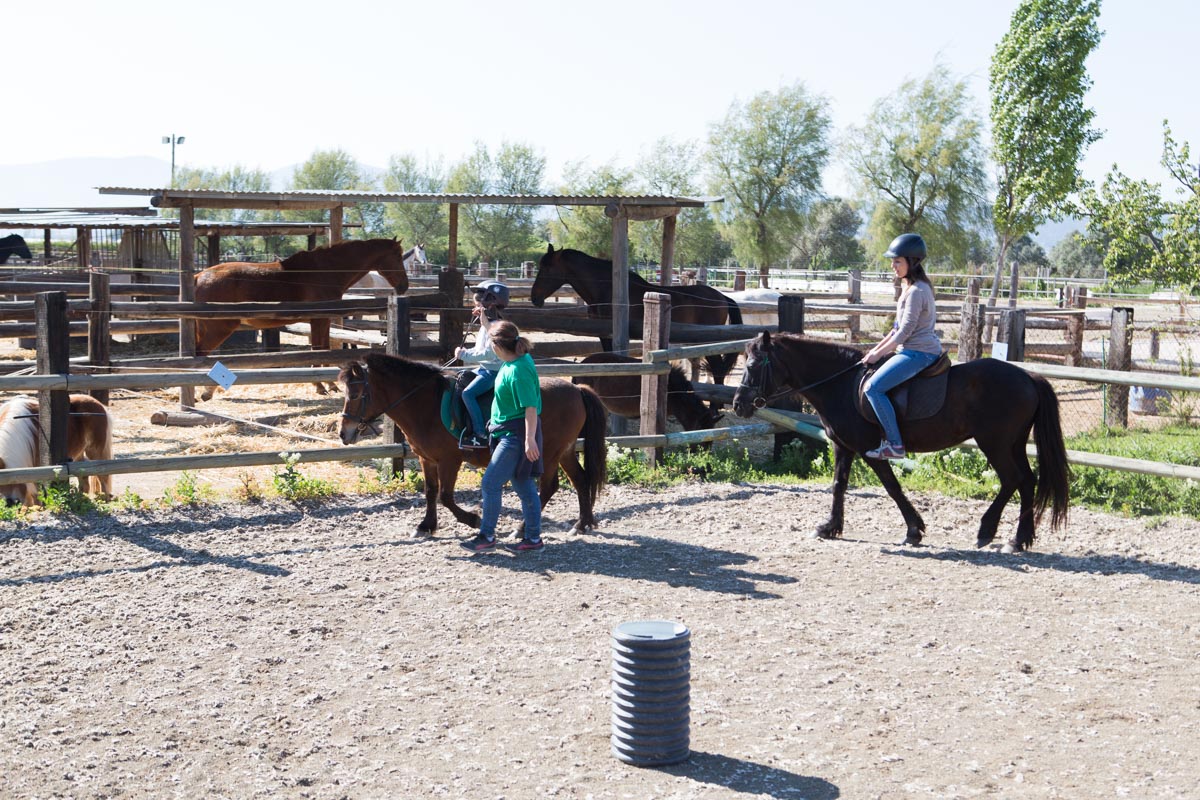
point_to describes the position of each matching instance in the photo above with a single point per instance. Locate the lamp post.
(173, 140)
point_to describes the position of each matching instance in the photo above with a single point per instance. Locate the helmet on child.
(492, 294)
(907, 245)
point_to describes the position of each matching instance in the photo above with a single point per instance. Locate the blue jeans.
(485, 379)
(500, 470)
(899, 368)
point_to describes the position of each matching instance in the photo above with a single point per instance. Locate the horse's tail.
(735, 311)
(595, 445)
(1054, 473)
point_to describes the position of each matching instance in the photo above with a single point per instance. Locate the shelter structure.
(619, 208)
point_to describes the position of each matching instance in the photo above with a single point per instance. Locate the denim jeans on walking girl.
(500, 470)
(895, 371)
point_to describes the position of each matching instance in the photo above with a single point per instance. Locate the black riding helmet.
(492, 294)
(907, 245)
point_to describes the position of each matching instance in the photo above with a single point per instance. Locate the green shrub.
(293, 485)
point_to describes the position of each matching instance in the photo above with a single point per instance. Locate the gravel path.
(321, 651)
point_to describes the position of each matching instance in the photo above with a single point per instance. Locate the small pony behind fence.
(89, 434)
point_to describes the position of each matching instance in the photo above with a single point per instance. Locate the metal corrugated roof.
(93, 219)
(163, 197)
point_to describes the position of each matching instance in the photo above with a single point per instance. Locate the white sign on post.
(1000, 350)
(222, 376)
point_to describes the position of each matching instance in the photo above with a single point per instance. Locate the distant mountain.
(72, 182)
(1052, 232)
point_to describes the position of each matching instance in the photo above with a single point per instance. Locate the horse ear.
(549, 248)
(765, 339)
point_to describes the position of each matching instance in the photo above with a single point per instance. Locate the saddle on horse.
(454, 409)
(920, 397)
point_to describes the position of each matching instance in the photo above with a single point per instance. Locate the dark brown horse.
(411, 393)
(989, 400)
(622, 394)
(591, 278)
(306, 277)
(14, 245)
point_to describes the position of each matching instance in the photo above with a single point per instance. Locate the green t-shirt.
(517, 388)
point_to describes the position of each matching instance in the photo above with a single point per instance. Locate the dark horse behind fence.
(411, 393)
(992, 401)
(622, 394)
(306, 277)
(591, 278)
(14, 245)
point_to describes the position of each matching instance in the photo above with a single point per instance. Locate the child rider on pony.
(490, 298)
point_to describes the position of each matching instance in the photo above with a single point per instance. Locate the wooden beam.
(620, 285)
(53, 358)
(667, 264)
(453, 257)
(614, 210)
(335, 224)
(187, 293)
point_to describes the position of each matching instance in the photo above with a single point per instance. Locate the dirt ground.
(323, 651)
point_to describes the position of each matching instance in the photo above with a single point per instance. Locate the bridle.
(765, 380)
(364, 401)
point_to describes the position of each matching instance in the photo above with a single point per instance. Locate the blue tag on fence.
(222, 376)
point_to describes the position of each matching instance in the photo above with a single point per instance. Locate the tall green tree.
(1149, 236)
(585, 227)
(766, 158)
(336, 170)
(1040, 124)
(495, 232)
(234, 179)
(1077, 256)
(416, 223)
(828, 237)
(919, 165)
(674, 169)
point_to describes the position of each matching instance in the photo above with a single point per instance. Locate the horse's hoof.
(1011, 547)
(912, 540)
(424, 532)
(819, 533)
(983, 541)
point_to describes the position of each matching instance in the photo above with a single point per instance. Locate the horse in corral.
(89, 435)
(373, 280)
(992, 401)
(14, 245)
(621, 394)
(411, 393)
(591, 278)
(308, 276)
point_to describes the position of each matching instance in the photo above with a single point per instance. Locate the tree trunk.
(764, 266)
(995, 293)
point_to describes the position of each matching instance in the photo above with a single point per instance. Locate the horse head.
(551, 275)
(758, 377)
(415, 256)
(390, 265)
(14, 245)
(359, 409)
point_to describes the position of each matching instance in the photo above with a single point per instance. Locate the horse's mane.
(18, 440)
(824, 348)
(321, 256)
(400, 368)
(588, 261)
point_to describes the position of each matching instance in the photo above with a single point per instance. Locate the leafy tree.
(673, 169)
(495, 231)
(919, 162)
(828, 236)
(1040, 125)
(235, 179)
(1076, 256)
(585, 227)
(416, 223)
(766, 157)
(1149, 236)
(1028, 253)
(336, 170)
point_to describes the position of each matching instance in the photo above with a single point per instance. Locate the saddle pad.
(919, 398)
(448, 418)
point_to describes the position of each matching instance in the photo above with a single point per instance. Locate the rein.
(364, 400)
(761, 401)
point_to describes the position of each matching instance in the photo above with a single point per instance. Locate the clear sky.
(265, 84)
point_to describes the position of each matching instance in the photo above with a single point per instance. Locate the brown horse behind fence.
(591, 278)
(306, 277)
(411, 393)
(622, 394)
(89, 435)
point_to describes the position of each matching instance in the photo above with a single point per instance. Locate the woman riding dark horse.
(992, 401)
(592, 278)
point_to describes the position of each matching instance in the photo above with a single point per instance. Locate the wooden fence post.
(1076, 325)
(99, 326)
(1120, 352)
(1012, 331)
(450, 331)
(970, 332)
(399, 336)
(739, 280)
(791, 313)
(53, 358)
(656, 335)
(187, 294)
(1014, 284)
(973, 289)
(702, 275)
(854, 295)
